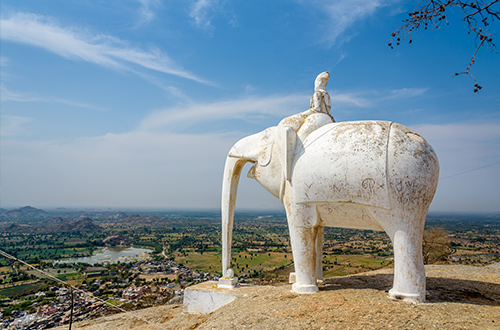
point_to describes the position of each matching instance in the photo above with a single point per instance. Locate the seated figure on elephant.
(299, 126)
(317, 115)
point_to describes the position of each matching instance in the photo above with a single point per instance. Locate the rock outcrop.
(54, 225)
(458, 297)
(26, 212)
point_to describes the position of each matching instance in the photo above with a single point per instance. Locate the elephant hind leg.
(409, 272)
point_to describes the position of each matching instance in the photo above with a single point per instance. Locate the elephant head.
(260, 150)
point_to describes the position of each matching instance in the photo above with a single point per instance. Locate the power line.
(5, 254)
(474, 169)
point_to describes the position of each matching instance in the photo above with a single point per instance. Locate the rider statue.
(297, 127)
(317, 115)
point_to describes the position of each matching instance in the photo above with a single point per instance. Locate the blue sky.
(135, 103)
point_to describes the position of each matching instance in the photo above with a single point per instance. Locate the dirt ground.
(458, 297)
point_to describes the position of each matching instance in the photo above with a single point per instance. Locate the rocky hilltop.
(23, 213)
(54, 225)
(459, 297)
(117, 240)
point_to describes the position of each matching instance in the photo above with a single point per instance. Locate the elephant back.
(357, 162)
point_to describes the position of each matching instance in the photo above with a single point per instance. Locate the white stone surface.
(206, 297)
(375, 175)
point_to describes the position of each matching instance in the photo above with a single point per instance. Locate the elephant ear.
(266, 148)
(256, 148)
(287, 141)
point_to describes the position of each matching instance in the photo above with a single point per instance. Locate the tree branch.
(433, 12)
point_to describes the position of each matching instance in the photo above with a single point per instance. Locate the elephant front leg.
(303, 238)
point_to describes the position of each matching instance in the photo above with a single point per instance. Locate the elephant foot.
(304, 288)
(414, 298)
(292, 278)
(227, 283)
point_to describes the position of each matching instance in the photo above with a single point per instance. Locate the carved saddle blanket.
(344, 162)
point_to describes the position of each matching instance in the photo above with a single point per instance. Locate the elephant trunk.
(232, 171)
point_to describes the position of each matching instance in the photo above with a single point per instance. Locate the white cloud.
(404, 93)
(14, 125)
(266, 109)
(8, 95)
(201, 12)
(147, 11)
(337, 16)
(3, 61)
(77, 43)
(263, 107)
(366, 99)
(342, 15)
(349, 99)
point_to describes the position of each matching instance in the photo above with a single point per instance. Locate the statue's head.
(321, 80)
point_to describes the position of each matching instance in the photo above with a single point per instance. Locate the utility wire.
(5, 254)
(474, 169)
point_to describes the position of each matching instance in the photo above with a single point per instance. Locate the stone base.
(206, 297)
(227, 283)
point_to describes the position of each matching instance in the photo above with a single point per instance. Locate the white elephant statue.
(376, 175)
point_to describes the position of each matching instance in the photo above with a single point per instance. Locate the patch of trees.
(436, 245)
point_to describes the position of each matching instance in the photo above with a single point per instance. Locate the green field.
(21, 290)
(246, 263)
(242, 263)
(345, 264)
(114, 302)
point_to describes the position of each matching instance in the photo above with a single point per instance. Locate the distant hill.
(117, 240)
(15, 228)
(55, 221)
(82, 225)
(24, 213)
(55, 225)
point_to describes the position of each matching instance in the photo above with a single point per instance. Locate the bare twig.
(477, 14)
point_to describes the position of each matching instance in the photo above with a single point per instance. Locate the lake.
(110, 255)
